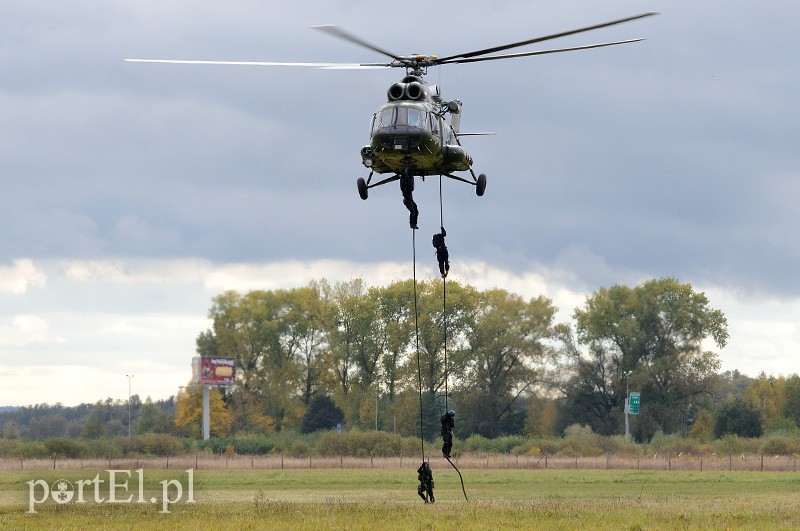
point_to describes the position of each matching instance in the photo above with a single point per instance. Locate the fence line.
(201, 461)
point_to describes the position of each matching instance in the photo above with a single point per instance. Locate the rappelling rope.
(416, 330)
(444, 307)
(444, 322)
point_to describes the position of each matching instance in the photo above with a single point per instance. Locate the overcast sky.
(131, 194)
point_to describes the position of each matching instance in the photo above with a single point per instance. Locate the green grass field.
(387, 499)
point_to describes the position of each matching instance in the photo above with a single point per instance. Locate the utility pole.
(627, 406)
(129, 403)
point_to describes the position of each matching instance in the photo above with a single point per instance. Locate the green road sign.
(633, 405)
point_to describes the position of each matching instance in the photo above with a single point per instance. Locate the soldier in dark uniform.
(442, 256)
(425, 477)
(448, 423)
(407, 187)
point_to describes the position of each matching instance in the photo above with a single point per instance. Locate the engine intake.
(397, 91)
(413, 90)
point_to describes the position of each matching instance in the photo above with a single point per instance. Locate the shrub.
(550, 446)
(64, 448)
(104, 448)
(507, 444)
(379, 444)
(675, 444)
(476, 443)
(131, 445)
(528, 447)
(409, 446)
(189, 446)
(30, 450)
(282, 442)
(781, 425)
(331, 444)
(581, 441)
(730, 444)
(7, 447)
(214, 445)
(162, 445)
(366, 444)
(618, 444)
(299, 448)
(780, 444)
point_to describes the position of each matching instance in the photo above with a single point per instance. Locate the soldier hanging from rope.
(425, 477)
(448, 423)
(407, 187)
(442, 256)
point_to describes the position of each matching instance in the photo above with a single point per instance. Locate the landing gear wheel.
(363, 191)
(480, 186)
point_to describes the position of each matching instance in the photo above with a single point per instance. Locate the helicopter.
(411, 135)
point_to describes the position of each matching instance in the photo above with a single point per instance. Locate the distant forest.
(107, 418)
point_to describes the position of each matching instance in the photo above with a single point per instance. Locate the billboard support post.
(206, 412)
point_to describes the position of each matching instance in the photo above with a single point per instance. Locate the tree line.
(376, 355)
(365, 357)
(501, 361)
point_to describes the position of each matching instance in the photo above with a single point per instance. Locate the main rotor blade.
(541, 52)
(451, 58)
(261, 63)
(342, 34)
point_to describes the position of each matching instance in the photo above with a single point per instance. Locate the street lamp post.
(627, 405)
(129, 402)
(377, 391)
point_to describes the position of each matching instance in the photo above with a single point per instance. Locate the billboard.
(213, 371)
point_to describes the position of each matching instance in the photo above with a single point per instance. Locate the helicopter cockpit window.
(414, 118)
(401, 116)
(386, 118)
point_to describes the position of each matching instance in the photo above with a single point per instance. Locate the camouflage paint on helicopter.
(410, 135)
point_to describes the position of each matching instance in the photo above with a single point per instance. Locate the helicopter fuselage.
(409, 135)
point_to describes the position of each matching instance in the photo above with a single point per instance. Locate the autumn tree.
(275, 337)
(768, 395)
(395, 303)
(189, 411)
(791, 405)
(355, 346)
(309, 309)
(654, 331)
(504, 356)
